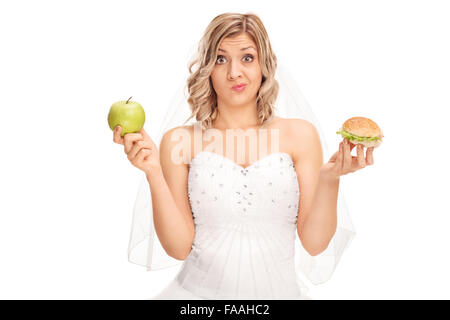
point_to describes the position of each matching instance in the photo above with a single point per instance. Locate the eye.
(245, 57)
(249, 56)
(220, 57)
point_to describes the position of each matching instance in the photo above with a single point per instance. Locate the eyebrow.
(241, 49)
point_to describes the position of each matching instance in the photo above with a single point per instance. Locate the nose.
(234, 70)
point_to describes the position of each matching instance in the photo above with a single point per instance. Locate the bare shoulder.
(178, 138)
(176, 131)
(177, 134)
(293, 128)
(296, 125)
(302, 137)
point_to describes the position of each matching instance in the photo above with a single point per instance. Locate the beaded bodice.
(245, 228)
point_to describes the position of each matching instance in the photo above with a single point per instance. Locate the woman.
(231, 211)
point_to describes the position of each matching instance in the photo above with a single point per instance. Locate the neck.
(236, 116)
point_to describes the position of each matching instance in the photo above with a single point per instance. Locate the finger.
(351, 145)
(360, 156)
(142, 155)
(144, 133)
(340, 156)
(138, 146)
(369, 156)
(117, 138)
(146, 136)
(130, 139)
(347, 157)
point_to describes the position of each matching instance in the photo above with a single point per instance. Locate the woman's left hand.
(342, 162)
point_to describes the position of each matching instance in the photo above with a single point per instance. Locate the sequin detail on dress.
(245, 228)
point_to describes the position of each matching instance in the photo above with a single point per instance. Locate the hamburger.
(360, 130)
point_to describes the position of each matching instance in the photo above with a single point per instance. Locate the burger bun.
(363, 127)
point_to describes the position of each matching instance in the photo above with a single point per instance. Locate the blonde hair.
(202, 98)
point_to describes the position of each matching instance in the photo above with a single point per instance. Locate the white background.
(67, 191)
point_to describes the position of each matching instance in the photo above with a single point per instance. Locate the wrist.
(153, 171)
(328, 176)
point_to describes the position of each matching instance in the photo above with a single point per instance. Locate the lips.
(239, 86)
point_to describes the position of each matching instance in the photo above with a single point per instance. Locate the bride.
(231, 212)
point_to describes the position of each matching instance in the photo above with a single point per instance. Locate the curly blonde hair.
(202, 97)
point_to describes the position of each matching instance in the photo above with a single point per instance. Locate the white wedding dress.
(245, 231)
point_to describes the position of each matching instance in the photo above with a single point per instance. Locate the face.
(235, 66)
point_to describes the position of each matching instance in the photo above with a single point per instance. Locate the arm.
(172, 215)
(321, 223)
(317, 220)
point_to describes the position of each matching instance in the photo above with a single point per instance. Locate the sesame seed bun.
(364, 128)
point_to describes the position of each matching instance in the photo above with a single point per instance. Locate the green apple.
(129, 115)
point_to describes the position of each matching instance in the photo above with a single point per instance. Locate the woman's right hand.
(140, 149)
